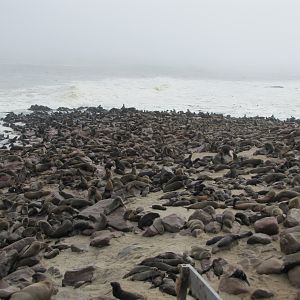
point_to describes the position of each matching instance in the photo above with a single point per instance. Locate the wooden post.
(199, 287)
(183, 283)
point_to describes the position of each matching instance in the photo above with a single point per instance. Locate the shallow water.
(20, 88)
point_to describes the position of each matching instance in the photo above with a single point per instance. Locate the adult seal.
(42, 290)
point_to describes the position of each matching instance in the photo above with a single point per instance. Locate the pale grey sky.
(216, 36)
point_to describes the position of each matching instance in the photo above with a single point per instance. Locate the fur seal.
(147, 219)
(168, 286)
(142, 276)
(203, 204)
(121, 294)
(162, 266)
(31, 250)
(62, 230)
(94, 194)
(173, 186)
(51, 254)
(217, 267)
(158, 207)
(294, 202)
(36, 195)
(240, 274)
(38, 276)
(267, 198)
(200, 253)
(228, 218)
(225, 243)
(137, 269)
(285, 195)
(242, 218)
(42, 290)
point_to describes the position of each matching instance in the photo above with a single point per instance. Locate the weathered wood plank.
(199, 287)
(183, 283)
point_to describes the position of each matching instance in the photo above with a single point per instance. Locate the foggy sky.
(255, 37)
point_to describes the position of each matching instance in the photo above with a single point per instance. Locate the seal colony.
(106, 204)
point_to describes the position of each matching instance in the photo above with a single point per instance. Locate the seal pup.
(94, 194)
(120, 167)
(217, 267)
(108, 189)
(226, 243)
(4, 225)
(119, 293)
(240, 274)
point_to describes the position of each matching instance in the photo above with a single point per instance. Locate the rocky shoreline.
(90, 198)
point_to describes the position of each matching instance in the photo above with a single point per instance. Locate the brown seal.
(42, 290)
(31, 250)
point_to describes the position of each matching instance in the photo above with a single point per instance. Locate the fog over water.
(217, 37)
(216, 55)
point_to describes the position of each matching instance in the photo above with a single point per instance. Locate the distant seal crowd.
(227, 184)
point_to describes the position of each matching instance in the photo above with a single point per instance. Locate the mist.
(232, 38)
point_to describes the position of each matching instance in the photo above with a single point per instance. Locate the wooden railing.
(199, 287)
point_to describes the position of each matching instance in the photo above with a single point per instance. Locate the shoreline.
(229, 173)
(5, 128)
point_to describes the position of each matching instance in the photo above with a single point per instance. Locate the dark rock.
(20, 277)
(233, 286)
(294, 276)
(7, 261)
(292, 229)
(28, 261)
(213, 227)
(39, 268)
(158, 225)
(150, 231)
(77, 249)
(118, 223)
(261, 294)
(290, 242)
(291, 260)
(268, 225)
(173, 223)
(292, 218)
(19, 245)
(100, 242)
(201, 215)
(259, 238)
(97, 209)
(85, 274)
(6, 290)
(270, 266)
(173, 186)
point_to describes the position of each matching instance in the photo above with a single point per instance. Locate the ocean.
(24, 85)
